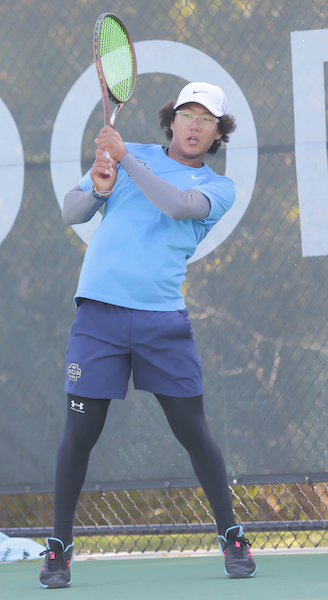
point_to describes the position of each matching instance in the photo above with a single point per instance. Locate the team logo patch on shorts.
(74, 372)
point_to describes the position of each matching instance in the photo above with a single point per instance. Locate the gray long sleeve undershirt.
(80, 206)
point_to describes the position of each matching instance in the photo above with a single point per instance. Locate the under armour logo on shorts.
(74, 372)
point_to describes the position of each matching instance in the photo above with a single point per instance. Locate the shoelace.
(55, 561)
(238, 546)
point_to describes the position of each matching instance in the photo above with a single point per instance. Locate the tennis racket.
(116, 65)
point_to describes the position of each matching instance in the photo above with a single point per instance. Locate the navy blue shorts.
(107, 342)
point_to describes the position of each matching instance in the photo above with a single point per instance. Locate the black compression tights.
(188, 422)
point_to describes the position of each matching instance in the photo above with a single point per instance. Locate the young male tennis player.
(160, 203)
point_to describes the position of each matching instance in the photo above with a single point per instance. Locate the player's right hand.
(103, 165)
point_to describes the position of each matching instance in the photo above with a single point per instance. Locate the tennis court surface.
(281, 576)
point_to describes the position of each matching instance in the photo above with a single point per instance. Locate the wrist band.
(101, 195)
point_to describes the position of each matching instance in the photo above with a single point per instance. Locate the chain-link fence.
(171, 519)
(256, 293)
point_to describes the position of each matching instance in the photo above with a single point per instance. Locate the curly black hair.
(226, 125)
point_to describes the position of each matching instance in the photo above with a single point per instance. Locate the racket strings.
(116, 59)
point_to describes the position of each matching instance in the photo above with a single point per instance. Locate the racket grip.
(101, 174)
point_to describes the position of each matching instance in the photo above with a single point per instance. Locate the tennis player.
(159, 204)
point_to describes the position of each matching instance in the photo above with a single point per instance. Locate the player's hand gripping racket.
(116, 64)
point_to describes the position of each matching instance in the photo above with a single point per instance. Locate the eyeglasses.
(205, 122)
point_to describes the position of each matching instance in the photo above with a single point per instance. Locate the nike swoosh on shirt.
(193, 177)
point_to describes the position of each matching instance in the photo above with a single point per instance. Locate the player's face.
(190, 142)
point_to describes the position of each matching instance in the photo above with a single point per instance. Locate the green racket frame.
(107, 91)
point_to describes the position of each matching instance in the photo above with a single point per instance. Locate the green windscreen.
(116, 58)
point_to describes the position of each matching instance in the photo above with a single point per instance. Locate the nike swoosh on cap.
(193, 177)
(200, 92)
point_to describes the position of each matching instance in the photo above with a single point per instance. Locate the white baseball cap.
(210, 96)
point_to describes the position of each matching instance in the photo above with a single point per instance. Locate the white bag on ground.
(12, 549)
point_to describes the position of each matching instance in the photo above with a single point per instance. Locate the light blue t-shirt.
(137, 256)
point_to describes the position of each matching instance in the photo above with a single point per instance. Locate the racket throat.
(114, 114)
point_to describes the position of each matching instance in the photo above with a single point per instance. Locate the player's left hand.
(110, 140)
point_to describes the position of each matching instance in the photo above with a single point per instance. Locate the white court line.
(197, 554)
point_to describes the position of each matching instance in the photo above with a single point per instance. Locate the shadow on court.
(294, 577)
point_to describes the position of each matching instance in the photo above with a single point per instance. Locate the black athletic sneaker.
(55, 571)
(239, 562)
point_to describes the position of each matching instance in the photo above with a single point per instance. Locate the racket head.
(115, 60)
